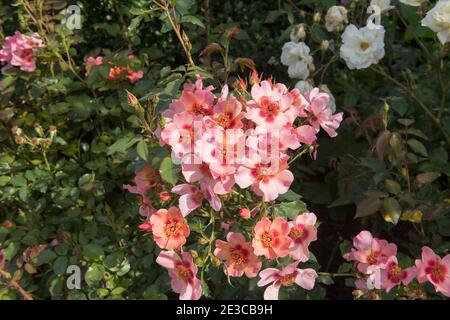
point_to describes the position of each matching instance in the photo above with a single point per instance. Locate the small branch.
(13, 283)
(413, 97)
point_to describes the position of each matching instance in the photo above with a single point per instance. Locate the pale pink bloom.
(144, 180)
(302, 232)
(238, 256)
(169, 228)
(286, 277)
(435, 270)
(134, 76)
(146, 208)
(19, 51)
(192, 197)
(320, 114)
(267, 180)
(269, 144)
(93, 62)
(299, 102)
(391, 274)
(225, 227)
(272, 238)
(271, 106)
(306, 134)
(179, 133)
(183, 274)
(369, 251)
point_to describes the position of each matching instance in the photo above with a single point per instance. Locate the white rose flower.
(336, 18)
(331, 104)
(296, 56)
(384, 5)
(414, 3)
(303, 86)
(362, 47)
(438, 20)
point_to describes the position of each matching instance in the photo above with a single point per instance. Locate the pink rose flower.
(369, 251)
(182, 272)
(169, 228)
(302, 232)
(272, 238)
(435, 270)
(19, 51)
(286, 277)
(238, 256)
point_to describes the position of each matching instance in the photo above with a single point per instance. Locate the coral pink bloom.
(169, 229)
(19, 51)
(192, 197)
(306, 134)
(179, 133)
(238, 255)
(369, 251)
(434, 269)
(272, 238)
(392, 275)
(271, 106)
(302, 232)
(134, 76)
(183, 274)
(267, 180)
(289, 275)
(144, 180)
(320, 114)
(227, 113)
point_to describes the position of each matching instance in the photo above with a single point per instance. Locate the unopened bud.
(19, 140)
(245, 213)
(132, 100)
(35, 141)
(298, 33)
(16, 130)
(38, 129)
(164, 196)
(324, 45)
(317, 17)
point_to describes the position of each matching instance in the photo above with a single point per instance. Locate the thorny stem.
(176, 28)
(413, 97)
(13, 283)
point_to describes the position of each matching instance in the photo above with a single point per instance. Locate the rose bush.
(234, 150)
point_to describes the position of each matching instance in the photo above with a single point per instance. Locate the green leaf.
(289, 210)
(4, 180)
(142, 150)
(392, 186)
(93, 251)
(123, 144)
(194, 20)
(45, 257)
(392, 210)
(368, 206)
(60, 265)
(168, 171)
(94, 274)
(417, 147)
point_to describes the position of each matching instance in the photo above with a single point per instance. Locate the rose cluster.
(376, 260)
(115, 72)
(19, 50)
(272, 239)
(223, 142)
